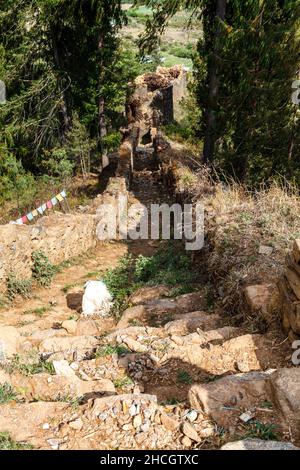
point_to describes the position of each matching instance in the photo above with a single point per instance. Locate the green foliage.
(14, 181)
(7, 393)
(264, 431)
(56, 163)
(28, 366)
(184, 377)
(7, 443)
(16, 286)
(122, 382)
(42, 270)
(169, 266)
(110, 349)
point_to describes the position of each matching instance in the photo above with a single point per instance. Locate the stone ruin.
(289, 287)
(154, 102)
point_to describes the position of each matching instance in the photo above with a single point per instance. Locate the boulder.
(258, 444)
(134, 313)
(226, 398)
(286, 389)
(263, 298)
(87, 327)
(70, 326)
(192, 321)
(69, 346)
(144, 294)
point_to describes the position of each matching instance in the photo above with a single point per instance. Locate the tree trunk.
(102, 130)
(65, 118)
(213, 87)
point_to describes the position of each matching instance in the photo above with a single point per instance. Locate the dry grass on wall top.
(238, 223)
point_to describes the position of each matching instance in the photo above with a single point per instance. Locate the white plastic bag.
(96, 299)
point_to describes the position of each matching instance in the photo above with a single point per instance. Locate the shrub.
(7, 393)
(18, 287)
(42, 270)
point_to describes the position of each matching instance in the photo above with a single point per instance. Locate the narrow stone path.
(168, 375)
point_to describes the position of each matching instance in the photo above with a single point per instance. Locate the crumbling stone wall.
(289, 286)
(156, 97)
(59, 236)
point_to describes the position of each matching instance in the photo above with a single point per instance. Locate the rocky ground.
(167, 375)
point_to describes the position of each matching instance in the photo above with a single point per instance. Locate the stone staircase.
(167, 376)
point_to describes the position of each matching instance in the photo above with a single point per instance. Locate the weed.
(266, 432)
(109, 349)
(169, 266)
(7, 443)
(43, 270)
(68, 287)
(7, 393)
(39, 311)
(184, 377)
(134, 322)
(266, 404)
(29, 368)
(122, 382)
(16, 286)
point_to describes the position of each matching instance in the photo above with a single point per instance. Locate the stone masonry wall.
(289, 286)
(59, 236)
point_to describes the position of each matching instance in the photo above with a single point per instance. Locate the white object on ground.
(96, 299)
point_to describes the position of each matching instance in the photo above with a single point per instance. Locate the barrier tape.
(40, 210)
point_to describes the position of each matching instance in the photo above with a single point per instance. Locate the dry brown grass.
(237, 223)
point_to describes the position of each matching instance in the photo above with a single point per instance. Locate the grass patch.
(28, 368)
(68, 287)
(110, 349)
(39, 311)
(7, 393)
(184, 377)
(122, 382)
(169, 265)
(7, 443)
(266, 432)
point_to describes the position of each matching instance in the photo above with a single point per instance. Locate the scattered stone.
(265, 250)
(63, 369)
(54, 443)
(77, 424)
(137, 421)
(134, 345)
(186, 441)
(257, 444)
(192, 416)
(247, 416)
(46, 426)
(190, 432)
(70, 326)
(171, 424)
